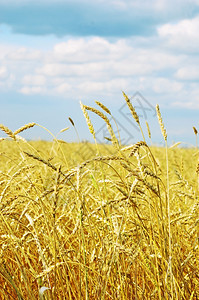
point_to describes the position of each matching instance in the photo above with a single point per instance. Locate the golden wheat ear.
(7, 131)
(163, 130)
(132, 109)
(29, 125)
(148, 130)
(103, 107)
(109, 127)
(133, 113)
(88, 120)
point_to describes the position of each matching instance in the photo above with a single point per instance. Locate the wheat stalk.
(55, 205)
(169, 255)
(19, 138)
(72, 122)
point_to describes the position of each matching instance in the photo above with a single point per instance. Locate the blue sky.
(55, 53)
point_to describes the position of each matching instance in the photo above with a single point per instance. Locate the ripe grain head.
(29, 125)
(195, 130)
(103, 107)
(132, 109)
(88, 121)
(163, 130)
(7, 131)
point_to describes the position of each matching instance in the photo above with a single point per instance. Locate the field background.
(85, 221)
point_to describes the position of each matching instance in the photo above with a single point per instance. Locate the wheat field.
(117, 224)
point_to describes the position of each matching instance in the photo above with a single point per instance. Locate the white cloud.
(27, 90)
(4, 50)
(3, 73)
(92, 49)
(24, 54)
(92, 67)
(97, 58)
(183, 28)
(164, 85)
(76, 46)
(189, 104)
(63, 88)
(34, 80)
(109, 86)
(188, 73)
(182, 36)
(153, 5)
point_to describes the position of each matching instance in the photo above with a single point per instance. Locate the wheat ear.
(197, 168)
(103, 107)
(72, 122)
(195, 130)
(88, 121)
(29, 125)
(133, 112)
(163, 130)
(137, 146)
(7, 131)
(101, 115)
(109, 112)
(41, 160)
(148, 129)
(132, 109)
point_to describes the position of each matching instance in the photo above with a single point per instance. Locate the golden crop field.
(118, 224)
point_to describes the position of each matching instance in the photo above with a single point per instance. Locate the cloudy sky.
(54, 53)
